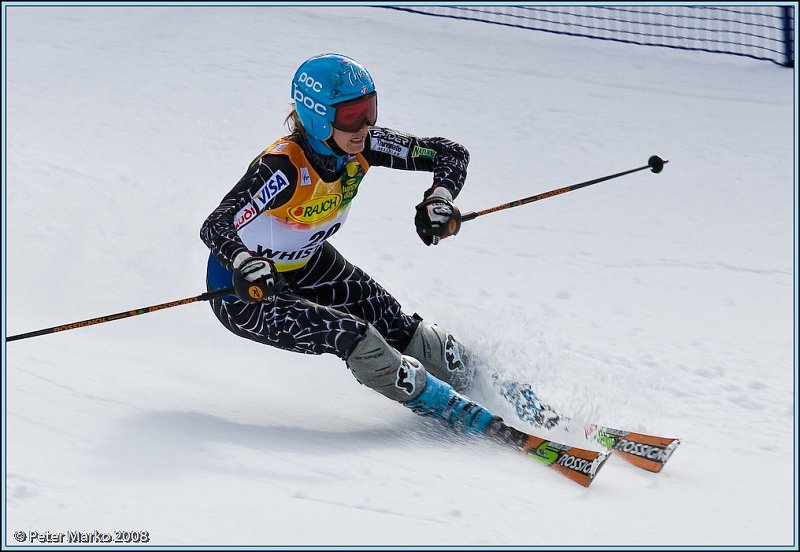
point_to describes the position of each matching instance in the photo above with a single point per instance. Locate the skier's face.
(351, 142)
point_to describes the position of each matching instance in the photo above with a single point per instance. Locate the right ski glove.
(437, 217)
(255, 278)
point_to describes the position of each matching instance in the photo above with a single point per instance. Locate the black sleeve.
(269, 182)
(447, 160)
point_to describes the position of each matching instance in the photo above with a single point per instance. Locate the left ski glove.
(255, 278)
(437, 217)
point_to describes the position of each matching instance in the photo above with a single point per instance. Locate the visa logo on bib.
(317, 209)
(276, 184)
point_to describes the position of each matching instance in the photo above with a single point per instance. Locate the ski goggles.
(352, 115)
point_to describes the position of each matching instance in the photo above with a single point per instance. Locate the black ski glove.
(255, 278)
(437, 217)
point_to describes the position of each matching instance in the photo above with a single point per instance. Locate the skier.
(269, 240)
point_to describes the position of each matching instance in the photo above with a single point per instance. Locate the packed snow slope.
(658, 303)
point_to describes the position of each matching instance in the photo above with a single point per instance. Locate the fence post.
(788, 35)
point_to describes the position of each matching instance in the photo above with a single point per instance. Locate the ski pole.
(204, 297)
(655, 164)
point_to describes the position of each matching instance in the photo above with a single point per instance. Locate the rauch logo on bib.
(316, 209)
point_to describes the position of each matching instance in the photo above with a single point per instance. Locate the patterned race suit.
(287, 205)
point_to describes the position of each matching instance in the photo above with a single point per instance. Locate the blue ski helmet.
(325, 80)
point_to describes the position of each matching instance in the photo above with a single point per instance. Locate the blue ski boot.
(440, 400)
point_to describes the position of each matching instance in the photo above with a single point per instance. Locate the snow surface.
(659, 303)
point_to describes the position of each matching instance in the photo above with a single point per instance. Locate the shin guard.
(381, 367)
(441, 355)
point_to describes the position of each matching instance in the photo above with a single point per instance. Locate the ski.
(579, 465)
(649, 452)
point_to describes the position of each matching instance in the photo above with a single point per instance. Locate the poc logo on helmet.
(309, 102)
(314, 85)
